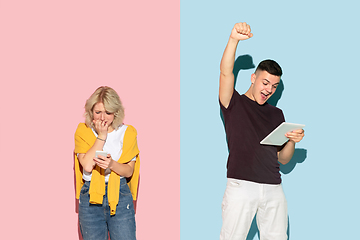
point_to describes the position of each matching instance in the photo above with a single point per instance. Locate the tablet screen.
(277, 136)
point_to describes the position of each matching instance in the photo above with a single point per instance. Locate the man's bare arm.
(241, 31)
(286, 153)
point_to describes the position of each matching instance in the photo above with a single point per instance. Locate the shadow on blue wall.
(245, 62)
(254, 230)
(299, 156)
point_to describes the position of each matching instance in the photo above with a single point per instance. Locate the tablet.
(277, 136)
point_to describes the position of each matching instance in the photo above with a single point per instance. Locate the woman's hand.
(122, 169)
(101, 128)
(104, 162)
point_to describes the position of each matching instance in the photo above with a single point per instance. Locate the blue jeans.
(96, 222)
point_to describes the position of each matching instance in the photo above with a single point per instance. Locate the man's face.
(263, 86)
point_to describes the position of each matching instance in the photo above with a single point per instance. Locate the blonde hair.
(112, 103)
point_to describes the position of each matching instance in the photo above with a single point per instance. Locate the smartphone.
(102, 153)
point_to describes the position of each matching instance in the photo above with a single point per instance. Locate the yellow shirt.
(84, 140)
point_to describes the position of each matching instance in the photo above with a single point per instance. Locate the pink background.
(53, 55)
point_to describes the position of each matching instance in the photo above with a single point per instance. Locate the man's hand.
(295, 136)
(241, 31)
(285, 155)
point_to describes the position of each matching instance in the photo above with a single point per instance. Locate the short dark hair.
(270, 66)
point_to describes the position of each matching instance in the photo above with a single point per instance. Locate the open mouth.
(264, 96)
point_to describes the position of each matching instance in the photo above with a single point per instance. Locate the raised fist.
(241, 31)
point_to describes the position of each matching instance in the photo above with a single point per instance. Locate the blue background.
(317, 45)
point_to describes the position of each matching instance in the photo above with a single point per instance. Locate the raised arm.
(241, 31)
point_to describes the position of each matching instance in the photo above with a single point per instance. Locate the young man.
(254, 182)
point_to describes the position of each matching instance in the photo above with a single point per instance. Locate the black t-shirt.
(246, 124)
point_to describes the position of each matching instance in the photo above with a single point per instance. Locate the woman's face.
(101, 114)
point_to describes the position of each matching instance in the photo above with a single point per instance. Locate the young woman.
(106, 185)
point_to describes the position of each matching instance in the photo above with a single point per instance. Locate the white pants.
(243, 199)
